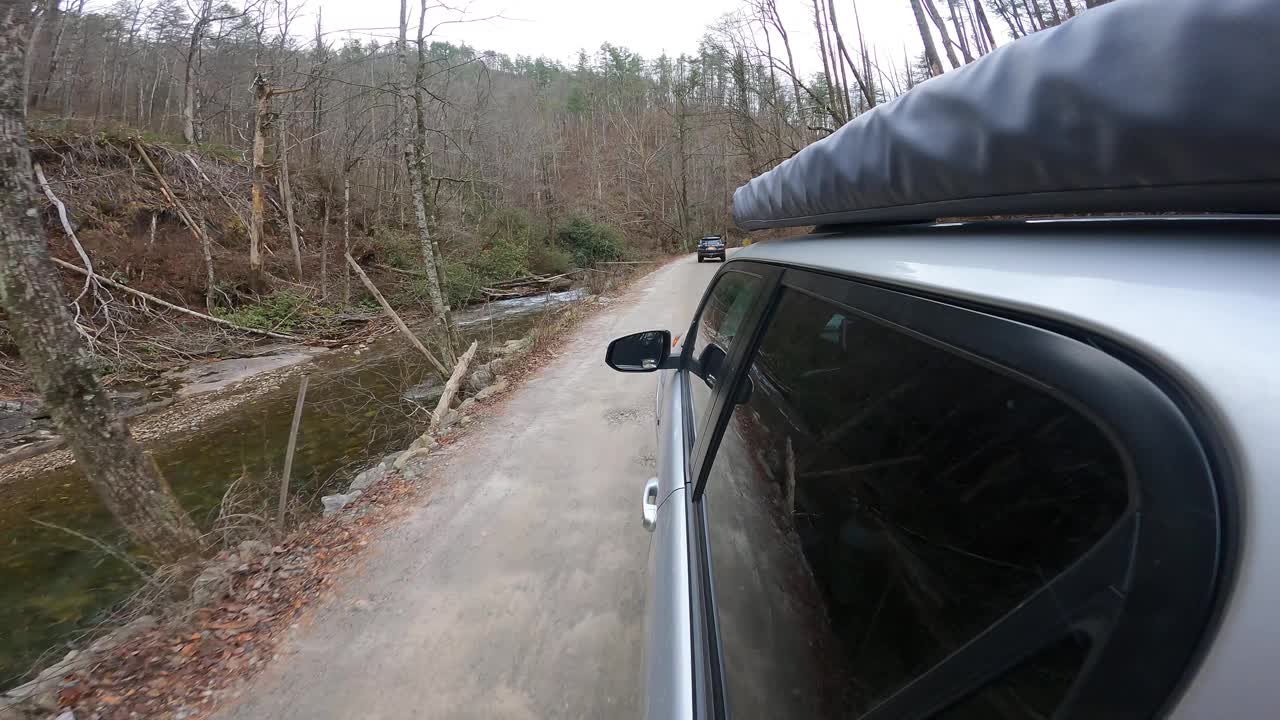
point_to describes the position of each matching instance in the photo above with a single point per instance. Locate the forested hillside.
(527, 165)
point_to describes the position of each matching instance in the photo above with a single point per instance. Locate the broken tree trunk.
(386, 307)
(163, 303)
(288, 454)
(451, 388)
(286, 190)
(257, 205)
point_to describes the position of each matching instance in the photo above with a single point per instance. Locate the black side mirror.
(642, 352)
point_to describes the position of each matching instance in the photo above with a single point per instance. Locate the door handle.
(649, 504)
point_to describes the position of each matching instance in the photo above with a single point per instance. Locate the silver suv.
(989, 468)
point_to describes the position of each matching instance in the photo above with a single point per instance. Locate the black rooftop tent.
(1137, 106)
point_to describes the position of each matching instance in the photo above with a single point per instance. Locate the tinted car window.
(1034, 689)
(877, 501)
(721, 320)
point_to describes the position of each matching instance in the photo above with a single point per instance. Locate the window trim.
(1164, 563)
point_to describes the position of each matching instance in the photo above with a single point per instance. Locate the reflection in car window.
(721, 319)
(877, 502)
(1032, 690)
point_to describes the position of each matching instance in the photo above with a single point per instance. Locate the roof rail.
(1136, 106)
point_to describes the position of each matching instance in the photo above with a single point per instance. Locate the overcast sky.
(559, 28)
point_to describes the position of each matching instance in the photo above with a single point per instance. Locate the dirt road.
(517, 590)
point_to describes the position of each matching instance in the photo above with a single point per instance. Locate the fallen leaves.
(180, 669)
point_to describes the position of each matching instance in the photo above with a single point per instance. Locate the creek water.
(55, 584)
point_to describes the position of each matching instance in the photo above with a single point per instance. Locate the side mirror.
(642, 352)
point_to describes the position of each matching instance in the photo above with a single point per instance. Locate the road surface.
(517, 589)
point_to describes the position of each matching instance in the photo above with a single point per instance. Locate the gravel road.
(517, 589)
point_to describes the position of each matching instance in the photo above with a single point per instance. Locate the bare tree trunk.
(986, 25)
(863, 81)
(451, 388)
(317, 93)
(346, 233)
(257, 204)
(286, 190)
(324, 251)
(30, 59)
(189, 78)
(395, 317)
(833, 85)
(938, 22)
(43, 92)
(415, 163)
(930, 50)
(124, 476)
(962, 39)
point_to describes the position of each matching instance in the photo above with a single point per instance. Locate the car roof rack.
(1138, 106)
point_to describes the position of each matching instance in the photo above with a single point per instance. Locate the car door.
(904, 508)
(726, 316)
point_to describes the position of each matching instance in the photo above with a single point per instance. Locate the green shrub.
(399, 248)
(549, 260)
(590, 242)
(284, 311)
(504, 259)
(462, 284)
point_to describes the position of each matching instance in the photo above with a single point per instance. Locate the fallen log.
(451, 388)
(164, 303)
(386, 307)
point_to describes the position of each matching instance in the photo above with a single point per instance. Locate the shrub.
(549, 260)
(283, 311)
(399, 248)
(504, 259)
(590, 242)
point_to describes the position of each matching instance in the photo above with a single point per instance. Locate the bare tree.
(930, 50)
(124, 476)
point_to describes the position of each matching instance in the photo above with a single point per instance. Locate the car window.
(1034, 689)
(876, 502)
(718, 325)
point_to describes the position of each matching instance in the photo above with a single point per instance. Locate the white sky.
(559, 28)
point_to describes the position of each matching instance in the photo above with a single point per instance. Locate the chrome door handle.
(649, 504)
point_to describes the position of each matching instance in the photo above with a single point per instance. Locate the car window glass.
(1034, 689)
(876, 502)
(720, 322)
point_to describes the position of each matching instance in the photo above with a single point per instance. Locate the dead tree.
(930, 50)
(263, 92)
(124, 476)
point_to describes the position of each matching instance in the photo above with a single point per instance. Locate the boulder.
(424, 393)
(408, 458)
(367, 478)
(389, 460)
(492, 390)
(451, 418)
(213, 581)
(41, 695)
(423, 441)
(514, 347)
(250, 550)
(334, 503)
(479, 378)
(123, 634)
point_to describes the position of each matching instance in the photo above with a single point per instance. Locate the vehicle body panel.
(668, 649)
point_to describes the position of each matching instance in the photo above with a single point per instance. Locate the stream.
(56, 584)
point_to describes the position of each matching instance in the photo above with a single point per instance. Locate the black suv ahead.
(711, 246)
